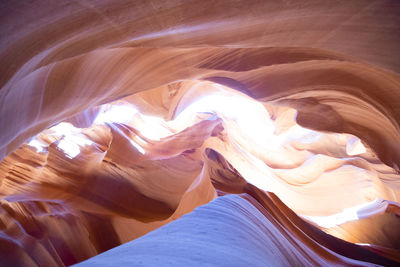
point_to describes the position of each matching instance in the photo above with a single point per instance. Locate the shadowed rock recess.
(200, 133)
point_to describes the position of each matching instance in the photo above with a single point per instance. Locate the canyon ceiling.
(204, 133)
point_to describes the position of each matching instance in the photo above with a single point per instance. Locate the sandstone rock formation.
(119, 119)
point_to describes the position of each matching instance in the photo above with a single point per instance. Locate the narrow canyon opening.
(207, 133)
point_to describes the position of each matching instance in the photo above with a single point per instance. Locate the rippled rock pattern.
(248, 133)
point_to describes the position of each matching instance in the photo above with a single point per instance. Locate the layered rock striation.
(279, 119)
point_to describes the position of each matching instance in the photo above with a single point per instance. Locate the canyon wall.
(319, 81)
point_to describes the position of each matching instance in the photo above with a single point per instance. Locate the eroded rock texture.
(279, 118)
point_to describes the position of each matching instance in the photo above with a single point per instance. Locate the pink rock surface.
(290, 108)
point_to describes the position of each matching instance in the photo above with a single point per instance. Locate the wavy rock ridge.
(283, 128)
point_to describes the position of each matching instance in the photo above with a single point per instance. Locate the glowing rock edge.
(247, 133)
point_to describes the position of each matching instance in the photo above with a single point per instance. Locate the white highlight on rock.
(355, 147)
(149, 126)
(251, 116)
(39, 145)
(72, 139)
(299, 134)
(363, 244)
(138, 147)
(116, 113)
(153, 127)
(71, 149)
(350, 214)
